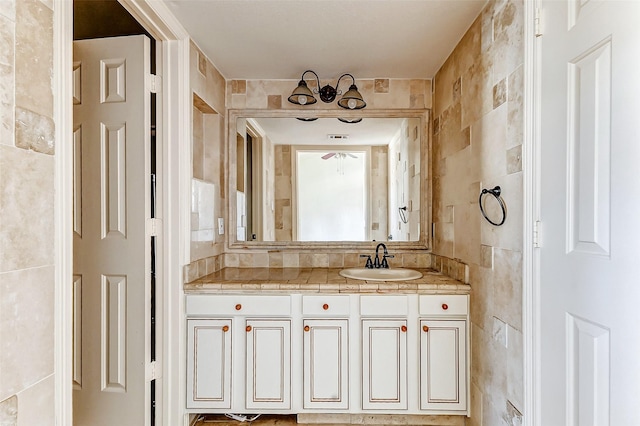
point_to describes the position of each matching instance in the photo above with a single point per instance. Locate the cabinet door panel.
(442, 365)
(384, 364)
(326, 364)
(209, 363)
(268, 364)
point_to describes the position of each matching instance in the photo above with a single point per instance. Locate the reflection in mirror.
(328, 180)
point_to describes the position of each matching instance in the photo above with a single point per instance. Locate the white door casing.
(589, 199)
(111, 246)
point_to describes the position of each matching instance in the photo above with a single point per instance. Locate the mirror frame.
(425, 240)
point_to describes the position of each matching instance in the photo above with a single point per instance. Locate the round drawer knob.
(425, 328)
(325, 306)
(403, 328)
(445, 306)
(225, 328)
(306, 328)
(238, 307)
(248, 328)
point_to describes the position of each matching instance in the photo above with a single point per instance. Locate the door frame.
(173, 44)
(531, 208)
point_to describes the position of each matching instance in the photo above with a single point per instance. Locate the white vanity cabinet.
(238, 353)
(325, 352)
(209, 363)
(384, 352)
(268, 364)
(326, 364)
(443, 352)
(333, 353)
(384, 364)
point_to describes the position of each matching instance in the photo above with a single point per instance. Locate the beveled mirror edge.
(425, 240)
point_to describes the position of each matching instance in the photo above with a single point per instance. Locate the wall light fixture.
(302, 95)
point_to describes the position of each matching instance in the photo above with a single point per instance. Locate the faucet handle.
(385, 264)
(369, 264)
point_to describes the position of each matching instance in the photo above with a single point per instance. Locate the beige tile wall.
(27, 152)
(381, 93)
(283, 193)
(208, 135)
(379, 193)
(478, 127)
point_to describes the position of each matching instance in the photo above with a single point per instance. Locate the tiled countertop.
(317, 280)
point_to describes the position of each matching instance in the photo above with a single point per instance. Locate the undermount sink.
(381, 274)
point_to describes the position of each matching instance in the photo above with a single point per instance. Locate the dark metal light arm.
(302, 95)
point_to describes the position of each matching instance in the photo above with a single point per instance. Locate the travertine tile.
(7, 105)
(515, 368)
(36, 406)
(34, 57)
(381, 85)
(276, 260)
(26, 203)
(8, 9)
(475, 406)
(231, 260)
(486, 256)
(514, 159)
(239, 86)
(34, 131)
(512, 416)
(26, 315)
(508, 286)
(274, 102)
(197, 144)
(9, 411)
(499, 93)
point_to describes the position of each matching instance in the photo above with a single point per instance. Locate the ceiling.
(279, 39)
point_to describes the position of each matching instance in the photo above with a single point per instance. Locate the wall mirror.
(313, 178)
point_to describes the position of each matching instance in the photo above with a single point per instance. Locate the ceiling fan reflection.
(340, 156)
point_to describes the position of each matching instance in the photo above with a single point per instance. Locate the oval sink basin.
(381, 274)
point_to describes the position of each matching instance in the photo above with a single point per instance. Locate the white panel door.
(268, 364)
(326, 364)
(384, 364)
(209, 363)
(111, 249)
(443, 373)
(589, 207)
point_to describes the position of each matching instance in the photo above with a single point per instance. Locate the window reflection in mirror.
(326, 180)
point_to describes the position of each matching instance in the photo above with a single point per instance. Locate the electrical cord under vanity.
(236, 419)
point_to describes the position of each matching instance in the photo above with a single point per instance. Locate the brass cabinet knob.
(445, 306)
(225, 328)
(248, 328)
(238, 307)
(325, 306)
(403, 328)
(425, 328)
(306, 328)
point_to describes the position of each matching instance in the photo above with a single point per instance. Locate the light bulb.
(302, 99)
(352, 103)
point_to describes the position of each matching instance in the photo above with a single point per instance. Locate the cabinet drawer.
(238, 305)
(325, 305)
(384, 305)
(443, 304)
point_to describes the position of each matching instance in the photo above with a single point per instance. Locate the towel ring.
(496, 193)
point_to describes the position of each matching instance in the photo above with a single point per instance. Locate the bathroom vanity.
(311, 341)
